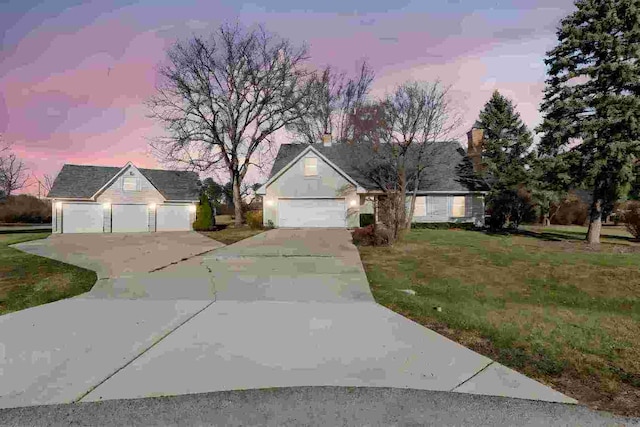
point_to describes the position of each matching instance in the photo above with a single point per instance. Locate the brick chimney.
(326, 140)
(474, 149)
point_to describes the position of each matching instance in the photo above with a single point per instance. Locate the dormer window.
(130, 183)
(310, 166)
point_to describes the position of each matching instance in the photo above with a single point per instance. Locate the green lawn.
(29, 280)
(617, 235)
(231, 234)
(558, 311)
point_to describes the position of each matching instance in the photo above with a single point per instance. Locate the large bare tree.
(333, 99)
(13, 174)
(222, 100)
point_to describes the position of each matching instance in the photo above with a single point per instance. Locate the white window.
(458, 207)
(310, 166)
(421, 206)
(130, 183)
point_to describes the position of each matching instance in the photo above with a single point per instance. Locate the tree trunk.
(546, 221)
(595, 221)
(237, 202)
(375, 216)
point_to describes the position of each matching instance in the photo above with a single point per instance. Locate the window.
(421, 206)
(130, 183)
(310, 166)
(458, 208)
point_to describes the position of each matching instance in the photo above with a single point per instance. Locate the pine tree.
(591, 101)
(505, 159)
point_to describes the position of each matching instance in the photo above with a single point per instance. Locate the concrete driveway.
(291, 308)
(307, 265)
(121, 254)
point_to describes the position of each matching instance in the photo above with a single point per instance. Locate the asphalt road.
(330, 406)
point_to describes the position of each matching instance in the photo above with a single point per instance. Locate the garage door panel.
(312, 213)
(173, 218)
(82, 218)
(129, 218)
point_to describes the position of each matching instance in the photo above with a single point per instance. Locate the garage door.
(82, 218)
(311, 213)
(129, 218)
(173, 218)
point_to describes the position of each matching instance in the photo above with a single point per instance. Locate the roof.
(448, 167)
(83, 181)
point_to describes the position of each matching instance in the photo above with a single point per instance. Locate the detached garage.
(103, 199)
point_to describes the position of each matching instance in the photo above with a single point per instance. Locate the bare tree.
(44, 184)
(333, 99)
(13, 174)
(438, 120)
(222, 100)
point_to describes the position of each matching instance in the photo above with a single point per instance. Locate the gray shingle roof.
(82, 181)
(448, 167)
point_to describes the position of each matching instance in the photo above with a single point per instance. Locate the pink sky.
(73, 78)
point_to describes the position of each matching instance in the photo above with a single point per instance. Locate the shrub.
(572, 211)
(631, 218)
(270, 225)
(366, 219)
(204, 215)
(254, 219)
(25, 208)
(364, 236)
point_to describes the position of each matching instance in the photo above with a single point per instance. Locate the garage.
(312, 213)
(173, 218)
(82, 218)
(129, 218)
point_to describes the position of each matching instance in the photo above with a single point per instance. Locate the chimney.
(474, 149)
(326, 140)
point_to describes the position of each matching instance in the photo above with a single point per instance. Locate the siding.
(327, 184)
(440, 207)
(146, 191)
(107, 219)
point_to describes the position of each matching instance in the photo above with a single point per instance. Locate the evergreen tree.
(591, 102)
(204, 214)
(506, 159)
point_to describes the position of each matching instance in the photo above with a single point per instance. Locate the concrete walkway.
(292, 308)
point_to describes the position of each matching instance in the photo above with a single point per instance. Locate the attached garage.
(82, 218)
(312, 213)
(173, 218)
(129, 218)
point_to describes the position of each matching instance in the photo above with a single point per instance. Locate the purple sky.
(74, 74)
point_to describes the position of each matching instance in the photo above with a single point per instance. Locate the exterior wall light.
(353, 203)
(152, 206)
(106, 205)
(58, 205)
(192, 208)
(270, 202)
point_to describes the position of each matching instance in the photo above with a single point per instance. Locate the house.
(103, 199)
(316, 185)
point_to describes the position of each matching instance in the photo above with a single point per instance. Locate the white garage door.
(173, 218)
(82, 218)
(311, 213)
(129, 218)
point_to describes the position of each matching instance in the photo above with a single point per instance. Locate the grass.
(559, 311)
(28, 280)
(231, 234)
(610, 234)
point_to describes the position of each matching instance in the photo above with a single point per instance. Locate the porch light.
(353, 203)
(192, 208)
(152, 206)
(270, 202)
(106, 205)
(58, 205)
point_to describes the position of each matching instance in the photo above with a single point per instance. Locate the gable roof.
(83, 181)
(447, 169)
